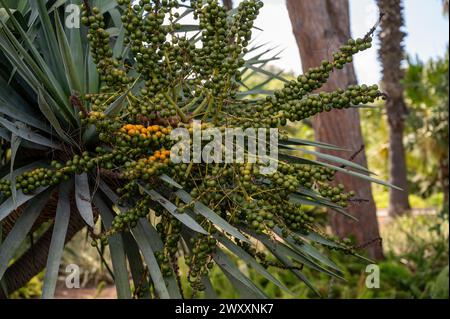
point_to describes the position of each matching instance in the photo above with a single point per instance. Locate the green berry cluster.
(200, 261)
(336, 194)
(295, 102)
(30, 181)
(130, 218)
(102, 54)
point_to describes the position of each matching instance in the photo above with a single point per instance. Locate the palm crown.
(87, 115)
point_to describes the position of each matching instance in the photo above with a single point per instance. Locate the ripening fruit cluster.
(148, 108)
(164, 264)
(220, 59)
(148, 167)
(154, 132)
(57, 172)
(30, 181)
(169, 229)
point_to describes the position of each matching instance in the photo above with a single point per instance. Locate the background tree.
(391, 56)
(320, 27)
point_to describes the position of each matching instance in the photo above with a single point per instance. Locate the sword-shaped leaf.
(9, 205)
(15, 144)
(71, 70)
(284, 250)
(136, 265)
(152, 264)
(308, 249)
(170, 181)
(246, 288)
(45, 101)
(299, 199)
(56, 248)
(343, 162)
(27, 134)
(296, 141)
(157, 246)
(171, 208)
(116, 247)
(243, 255)
(206, 212)
(20, 230)
(83, 198)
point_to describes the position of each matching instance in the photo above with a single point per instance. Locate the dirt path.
(86, 293)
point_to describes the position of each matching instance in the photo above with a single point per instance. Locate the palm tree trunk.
(321, 27)
(34, 260)
(391, 56)
(445, 6)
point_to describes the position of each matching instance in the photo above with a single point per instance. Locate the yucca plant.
(87, 115)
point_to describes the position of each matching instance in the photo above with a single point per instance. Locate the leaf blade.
(56, 248)
(117, 250)
(171, 208)
(20, 230)
(83, 198)
(204, 210)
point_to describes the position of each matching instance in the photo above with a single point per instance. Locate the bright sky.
(428, 33)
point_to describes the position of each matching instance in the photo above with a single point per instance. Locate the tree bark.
(391, 56)
(320, 28)
(228, 4)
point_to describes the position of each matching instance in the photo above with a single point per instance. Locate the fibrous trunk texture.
(391, 56)
(34, 260)
(320, 28)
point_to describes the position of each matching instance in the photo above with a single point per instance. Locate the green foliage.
(411, 270)
(439, 288)
(417, 269)
(426, 140)
(427, 89)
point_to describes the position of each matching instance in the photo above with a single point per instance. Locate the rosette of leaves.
(87, 113)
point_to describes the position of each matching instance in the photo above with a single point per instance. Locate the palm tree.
(86, 114)
(391, 56)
